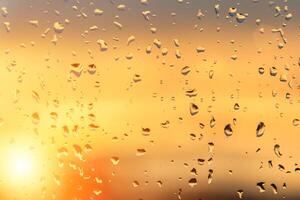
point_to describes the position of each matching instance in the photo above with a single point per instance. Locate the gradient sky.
(70, 133)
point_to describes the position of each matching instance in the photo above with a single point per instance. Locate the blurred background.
(149, 99)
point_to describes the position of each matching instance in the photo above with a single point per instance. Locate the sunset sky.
(149, 99)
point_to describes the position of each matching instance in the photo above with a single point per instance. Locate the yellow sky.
(93, 117)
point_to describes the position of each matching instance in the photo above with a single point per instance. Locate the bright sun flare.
(21, 165)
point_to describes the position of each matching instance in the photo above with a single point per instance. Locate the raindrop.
(210, 175)
(201, 161)
(92, 69)
(260, 129)
(240, 193)
(191, 93)
(194, 109)
(140, 152)
(135, 184)
(98, 12)
(192, 182)
(212, 122)
(232, 11)
(35, 118)
(76, 69)
(240, 17)
(130, 40)
(261, 186)
(296, 122)
(137, 78)
(97, 192)
(228, 130)
(102, 44)
(58, 27)
(236, 106)
(273, 71)
(146, 131)
(185, 70)
(115, 160)
(261, 70)
(274, 187)
(277, 150)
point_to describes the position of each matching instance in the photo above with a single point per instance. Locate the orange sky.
(68, 136)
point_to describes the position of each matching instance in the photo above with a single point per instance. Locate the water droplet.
(192, 182)
(194, 109)
(185, 70)
(289, 16)
(140, 152)
(191, 93)
(296, 122)
(236, 106)
(130, 40)
(34, 23)
(97, 192)
(135, 184)
(261, 186)
(260, 129)
(92, 69)
(228, 130)
(232, 11)
(78, 152)
(277, 150)
(4, 12)
(115, 160)
(98, 12)
(146, 131)
(35, 118)
(137, 78)
(240, 17)
(273, 71)
(57, 179)
(211, 146)
(274, 187)
(102, 44)
(121, 7)
(240, 193)
(36, 96)
(76, 69)
(200, 49)
(201, 161)
(261, 70)
(210, 175)
(212, 122)
(58, 27)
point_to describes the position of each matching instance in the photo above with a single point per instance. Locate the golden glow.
(123, 122)
(22, 165)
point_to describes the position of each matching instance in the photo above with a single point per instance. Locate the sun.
(22, 165)
(25, 168)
